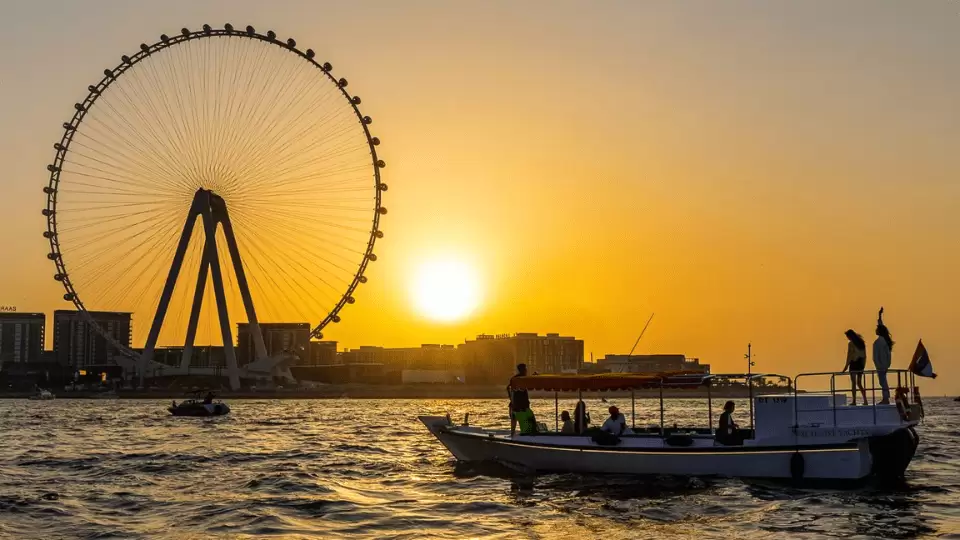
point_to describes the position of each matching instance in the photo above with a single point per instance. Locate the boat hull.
(849, 460)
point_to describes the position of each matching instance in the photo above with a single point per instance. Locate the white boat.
(43, 395)
(796, 435)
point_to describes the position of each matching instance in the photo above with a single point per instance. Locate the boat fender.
(916, 438)
(797, 466)
(679, 440)
(902, 410)
(603, 438)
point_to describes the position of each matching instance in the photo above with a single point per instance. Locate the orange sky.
(750, 171)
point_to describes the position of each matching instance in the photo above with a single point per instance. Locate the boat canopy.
(609, 381)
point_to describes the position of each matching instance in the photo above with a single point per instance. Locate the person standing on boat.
(856, 363)
(882, 356)
(519, 399)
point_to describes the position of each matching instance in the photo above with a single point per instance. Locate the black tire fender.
(797, 466)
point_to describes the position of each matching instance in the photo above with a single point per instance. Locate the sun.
(445, 290)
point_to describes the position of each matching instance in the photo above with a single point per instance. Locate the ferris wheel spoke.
(318, 220)
(165, 171)
(280, 266)
(114, 144)
(109, 272)
(145, 132)
(294, 161)
(109, 291)
(75, 167)
(91, 255)
(253, 116)
(102, 163)
(89, 229)
(293, 246)
(325, 238)
(273, 290)
(142, 103)
(256, 156)
(115, 154)
(278, 141)
(175, 133)
(184, 121)
(351, 183)
(235, 143)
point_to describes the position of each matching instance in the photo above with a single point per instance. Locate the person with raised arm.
(883, 356)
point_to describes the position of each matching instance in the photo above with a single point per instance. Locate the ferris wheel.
(210, 169)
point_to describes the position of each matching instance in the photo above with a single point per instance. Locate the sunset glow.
(445, 290)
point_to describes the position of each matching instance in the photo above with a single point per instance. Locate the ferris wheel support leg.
(258, 344)
(217, 277)
(147, 356)
(195, 310)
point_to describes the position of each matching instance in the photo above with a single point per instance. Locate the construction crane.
(641, 335)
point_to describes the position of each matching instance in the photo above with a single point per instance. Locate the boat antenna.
(641, 334)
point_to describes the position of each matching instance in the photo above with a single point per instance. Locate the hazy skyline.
(750, 171)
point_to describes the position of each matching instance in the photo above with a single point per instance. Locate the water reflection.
(317, 468)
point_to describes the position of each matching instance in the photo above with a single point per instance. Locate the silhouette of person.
(856, 363)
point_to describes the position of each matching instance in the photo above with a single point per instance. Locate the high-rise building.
(323, 353)
(493, 358)
(77, 343)
(424, 357)
(21, 337)
(650, 363)
(278, 338)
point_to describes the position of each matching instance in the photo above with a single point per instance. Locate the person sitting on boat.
(519, 399)
(208, 400)
(856, 363)
(727, 433)
(581, 418)
(616, 424)
(567, 423)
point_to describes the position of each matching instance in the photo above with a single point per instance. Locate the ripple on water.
(125, 469)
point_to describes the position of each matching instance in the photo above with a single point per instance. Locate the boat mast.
(750, 364)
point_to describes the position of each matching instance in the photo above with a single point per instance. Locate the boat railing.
(901, 385)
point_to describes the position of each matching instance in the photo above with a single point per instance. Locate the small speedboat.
(200, 407)
(43, 395)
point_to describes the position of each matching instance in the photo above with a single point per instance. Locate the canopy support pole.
(556, 410)
(709, 407)
(662, 433)
(633, 410)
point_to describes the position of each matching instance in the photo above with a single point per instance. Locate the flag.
(921, 362)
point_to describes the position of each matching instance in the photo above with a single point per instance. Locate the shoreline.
(425, 392)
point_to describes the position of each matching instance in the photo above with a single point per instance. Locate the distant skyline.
(752, 171)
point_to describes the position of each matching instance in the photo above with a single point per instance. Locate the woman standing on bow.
(856, 363)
